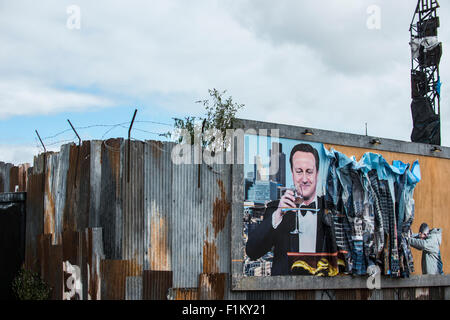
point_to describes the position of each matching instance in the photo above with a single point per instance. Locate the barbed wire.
(49, 141)
(155, 122)
(113, 127)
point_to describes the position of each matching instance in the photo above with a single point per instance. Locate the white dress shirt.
(308, 230)
(307, 225)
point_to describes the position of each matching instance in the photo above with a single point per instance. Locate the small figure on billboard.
(296, 227)
(429, 242)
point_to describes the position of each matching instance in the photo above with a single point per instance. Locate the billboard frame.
(240, 282)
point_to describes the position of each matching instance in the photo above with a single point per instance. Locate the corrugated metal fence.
(101, 225)
(13, 178)
(160, 229)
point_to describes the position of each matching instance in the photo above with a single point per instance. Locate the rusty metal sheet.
(156, 284)
(13, 179)
(93, 251)
(305, 295)
(184, 293)
(56, 275)
(211, 286)
(114, 274)
(35, 218)
(158, 206)
(436, 293)
(355, 294)
(51, 262)
(201, 221)
(76, 212)
(216, 208)
(110, 215)
(23, 177)
(72, 247)
(69, 216)
(133, 204)
(72, 264)
(83, 186)
(17, 178)
(51, 160)
(59, 190)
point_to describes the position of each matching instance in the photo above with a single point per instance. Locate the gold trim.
(322, 265)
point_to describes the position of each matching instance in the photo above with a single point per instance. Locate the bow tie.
(312, 205)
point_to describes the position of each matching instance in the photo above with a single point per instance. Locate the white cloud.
(30, 98)
(18, 154)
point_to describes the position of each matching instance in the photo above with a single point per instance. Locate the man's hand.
(286, 201)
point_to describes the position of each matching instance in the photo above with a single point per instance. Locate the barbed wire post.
(45, 150)
(45, 159)
(78, 153)
(129, 144)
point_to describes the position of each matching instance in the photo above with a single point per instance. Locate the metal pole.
(79, 139)
(45, 150)
(45, 162)
(129, 144)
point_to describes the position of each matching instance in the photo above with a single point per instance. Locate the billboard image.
(315, 211)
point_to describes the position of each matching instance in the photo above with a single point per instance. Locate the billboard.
(314, 211)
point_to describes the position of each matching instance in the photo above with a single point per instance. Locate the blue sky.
(289, 61)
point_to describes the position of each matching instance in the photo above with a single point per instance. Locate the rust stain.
(185, 294)
(93, 268)
(210, 257)
(71, 204)
(13, 178)
(35, 199)
(22, 174)
(114, 274)
(212, 286)
(156, 284)
(221, 208)
(159, 247)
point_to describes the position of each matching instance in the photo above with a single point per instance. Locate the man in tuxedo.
(274, 233)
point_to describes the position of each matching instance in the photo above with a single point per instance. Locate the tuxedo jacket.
(265, 238)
